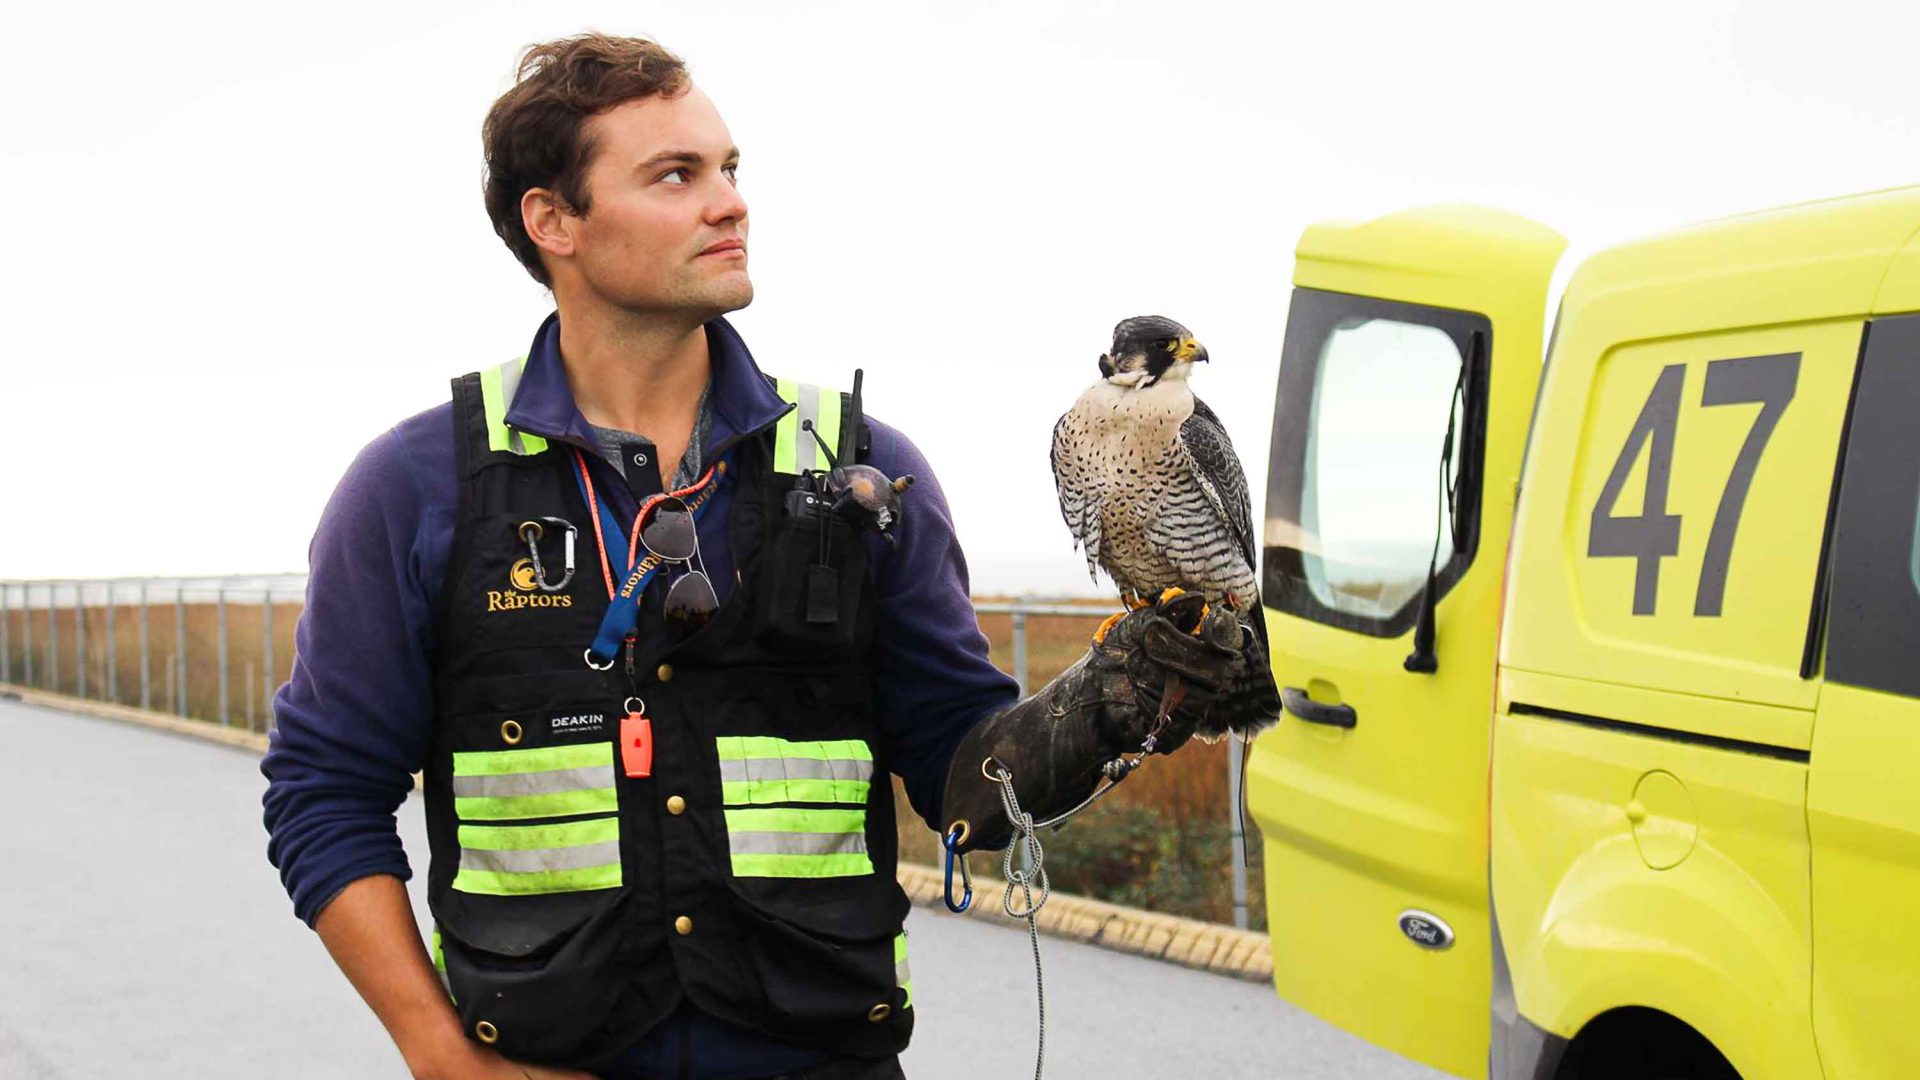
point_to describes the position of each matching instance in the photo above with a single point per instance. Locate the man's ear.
(549, 221)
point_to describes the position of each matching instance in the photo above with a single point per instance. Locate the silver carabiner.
(531, 532)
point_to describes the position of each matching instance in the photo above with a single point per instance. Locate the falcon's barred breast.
(1151, 489)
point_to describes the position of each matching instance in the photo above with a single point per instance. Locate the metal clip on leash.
(1033, 871)
(1024, 879)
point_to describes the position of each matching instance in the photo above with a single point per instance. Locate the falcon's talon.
(1205, 610)
(1100, 635)
(1170, 592)
(1133, 602)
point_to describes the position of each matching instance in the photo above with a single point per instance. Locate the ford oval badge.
(1425, 929)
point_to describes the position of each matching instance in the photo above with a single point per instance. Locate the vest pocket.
(528, 925)
(543, 1006)
(767, 838)
(541, 782)
(810, 583)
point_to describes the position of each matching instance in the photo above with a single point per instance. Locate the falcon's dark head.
(1147, 348)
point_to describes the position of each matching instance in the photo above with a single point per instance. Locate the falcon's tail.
(1251, 701)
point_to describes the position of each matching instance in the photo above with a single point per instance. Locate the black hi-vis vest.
(753, 871)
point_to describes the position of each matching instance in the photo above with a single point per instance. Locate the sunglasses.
(667, 532)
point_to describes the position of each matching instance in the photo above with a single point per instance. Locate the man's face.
(666, 229)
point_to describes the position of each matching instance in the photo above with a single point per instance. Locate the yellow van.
(1603, 674)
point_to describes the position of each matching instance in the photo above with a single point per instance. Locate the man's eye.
(680, 172)
(732, 171)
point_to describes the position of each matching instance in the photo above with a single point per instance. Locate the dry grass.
(249, 686)
(1159, 842)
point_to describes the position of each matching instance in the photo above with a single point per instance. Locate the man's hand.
(369, 929)
(1154, 671)
(468, 1060)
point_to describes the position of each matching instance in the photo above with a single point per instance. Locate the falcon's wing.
(1079, 504)
(1217, 470)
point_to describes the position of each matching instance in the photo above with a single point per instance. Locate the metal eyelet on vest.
(534, 527)
(879, 1012)
(486, 1033)
(510, 732)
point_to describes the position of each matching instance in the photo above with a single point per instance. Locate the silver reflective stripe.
(797, 843)
(533, 783)
(795, 769)
(510, 373)
(509, 383)
(805, 448)
(538, 859)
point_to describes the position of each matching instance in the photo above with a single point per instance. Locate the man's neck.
(643, 374)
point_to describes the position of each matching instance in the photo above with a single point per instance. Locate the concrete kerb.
(1204, 946)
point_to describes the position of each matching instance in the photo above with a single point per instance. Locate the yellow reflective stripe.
(901, 974)
(827, 423)
(852, 864)
(440, 965)
(497, 387)
(786, 434)
(760, 792)
(539, 759)
(497, 883)
(743, 747)
(793, 819)
(553, 804)
(531, 837)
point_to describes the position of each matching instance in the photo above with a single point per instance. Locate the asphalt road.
(143, 934)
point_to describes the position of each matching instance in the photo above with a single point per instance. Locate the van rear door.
(1412, 355)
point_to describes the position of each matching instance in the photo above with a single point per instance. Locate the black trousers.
(851, 1069)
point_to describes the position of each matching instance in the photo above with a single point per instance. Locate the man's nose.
(726, 204)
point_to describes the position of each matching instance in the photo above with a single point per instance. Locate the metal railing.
(31, 655)
(99, 600)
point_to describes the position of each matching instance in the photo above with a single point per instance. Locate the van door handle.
(1317, 712)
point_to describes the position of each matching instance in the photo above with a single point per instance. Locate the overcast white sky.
(246, 239)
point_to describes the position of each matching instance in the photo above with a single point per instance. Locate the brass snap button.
(879, 1012)
(664, 673)
(684, 925)
(486, 1032)
(676, 805)
(510, 731)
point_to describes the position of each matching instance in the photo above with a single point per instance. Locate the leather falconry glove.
(1155, 672)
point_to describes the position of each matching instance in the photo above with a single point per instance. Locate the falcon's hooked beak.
(1190, 349)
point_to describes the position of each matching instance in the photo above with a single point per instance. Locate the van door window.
(1873, 636)
(1359, 499)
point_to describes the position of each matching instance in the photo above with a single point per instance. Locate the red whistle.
(636, 744)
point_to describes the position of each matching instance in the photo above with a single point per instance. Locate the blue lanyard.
(623, 610)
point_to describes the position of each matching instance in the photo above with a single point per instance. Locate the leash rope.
(1027, 842)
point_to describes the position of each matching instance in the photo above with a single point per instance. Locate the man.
(662, 846)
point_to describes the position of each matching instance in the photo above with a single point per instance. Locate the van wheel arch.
(1635, 1043)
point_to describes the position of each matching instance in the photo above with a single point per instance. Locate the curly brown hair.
(534, 135)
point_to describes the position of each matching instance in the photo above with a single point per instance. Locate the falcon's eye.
(1166, 343)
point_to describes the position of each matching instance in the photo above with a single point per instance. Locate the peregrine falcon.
(1151, 489)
